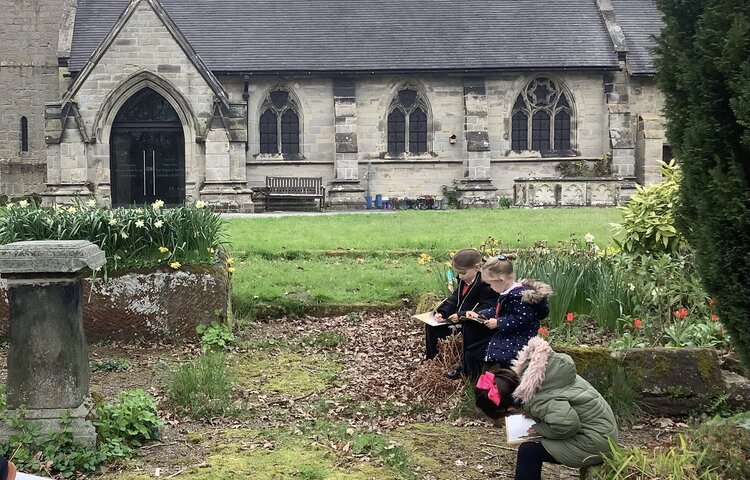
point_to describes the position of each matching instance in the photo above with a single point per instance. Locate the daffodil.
(10, 205)
(230, 261)
(72, 209)
(175, 265)
(589, 238)
(157, 204)
(211, 250)
(139, 223)
(231, 269)
(113, 221)
(91, 203)
(200, 204)
(158, 224)
(163, 250)
(424, 259)
(124, 235)
(23, 204)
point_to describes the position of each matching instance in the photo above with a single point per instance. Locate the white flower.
(72, 209)
(655, 292)
(157, 204)
(200, 204)
(139, 223)
(10, 205)
(113, 221)
(124, 235)
(631, 286)
(23, 204)
(158, 223)
(589, 238)
(91, 203)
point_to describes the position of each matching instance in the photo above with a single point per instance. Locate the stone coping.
(568, 179)
(50, 256)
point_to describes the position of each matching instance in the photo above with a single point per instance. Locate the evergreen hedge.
(704, 71)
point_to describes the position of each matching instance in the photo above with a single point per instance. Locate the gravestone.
(48, 369)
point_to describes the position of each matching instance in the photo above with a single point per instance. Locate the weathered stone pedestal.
(48, 365)
(476, 193)
(346, 195)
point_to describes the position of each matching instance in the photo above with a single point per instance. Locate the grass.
(416, 230)
(341, 263)
(202, 387)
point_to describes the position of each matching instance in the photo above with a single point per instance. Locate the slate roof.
(301, 36)
(641, 22)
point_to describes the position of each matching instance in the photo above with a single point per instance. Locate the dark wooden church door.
(147, 152)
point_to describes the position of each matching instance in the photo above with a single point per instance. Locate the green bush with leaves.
(216, 336)
(726, 442)
(130, 237)
(648, 219)
(132, 419)
(704, 73)
(202, 387)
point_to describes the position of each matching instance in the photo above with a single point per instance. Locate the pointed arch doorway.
(147, 152)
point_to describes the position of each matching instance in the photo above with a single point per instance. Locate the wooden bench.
(294, 187)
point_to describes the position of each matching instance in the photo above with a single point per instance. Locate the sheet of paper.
(517, 428)
(428, 318)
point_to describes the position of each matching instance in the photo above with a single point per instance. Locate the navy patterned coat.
(518, 314)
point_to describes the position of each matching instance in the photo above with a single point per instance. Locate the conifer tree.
(703, 59)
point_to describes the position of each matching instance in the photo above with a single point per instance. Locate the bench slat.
(295, 187)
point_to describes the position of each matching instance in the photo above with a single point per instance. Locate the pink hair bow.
(486, 381)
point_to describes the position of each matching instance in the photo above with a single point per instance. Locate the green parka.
(574, 420)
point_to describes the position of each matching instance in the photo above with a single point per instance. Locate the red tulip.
(543, 331)
(714, 317)
(637, 323)
(569, 317)
(681, 313)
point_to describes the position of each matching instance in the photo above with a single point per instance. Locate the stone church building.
(129, 101)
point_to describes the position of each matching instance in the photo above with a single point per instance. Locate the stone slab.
(50, 256)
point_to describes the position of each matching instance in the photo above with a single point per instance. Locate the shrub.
(114, 364)
(215, 337)
(704, 73)
(726, 442)
(202, 387)
(130, 237)
(581, 168)
(648, 219)
(131, 419)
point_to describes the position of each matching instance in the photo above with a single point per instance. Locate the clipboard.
(429, 319)
(479, 319)
(517, 429)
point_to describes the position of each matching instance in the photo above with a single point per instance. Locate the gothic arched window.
(24, 134)
(541, 118)
(407, 123)
(279, 125)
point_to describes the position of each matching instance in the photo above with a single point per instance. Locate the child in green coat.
(575, 422)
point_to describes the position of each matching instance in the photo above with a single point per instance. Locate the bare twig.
(156, 445)
(199, 465)
(501, 447)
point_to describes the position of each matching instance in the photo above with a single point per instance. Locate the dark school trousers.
(531, 456)
(431, 337)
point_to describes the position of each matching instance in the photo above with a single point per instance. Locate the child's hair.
(499, 265)
(507, 381)
(466, 258)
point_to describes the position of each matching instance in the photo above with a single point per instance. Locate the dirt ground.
(325, 398)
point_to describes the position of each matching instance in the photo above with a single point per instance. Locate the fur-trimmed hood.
(535, 291)
(538, 366)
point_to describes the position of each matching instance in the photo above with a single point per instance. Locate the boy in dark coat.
(471, 294)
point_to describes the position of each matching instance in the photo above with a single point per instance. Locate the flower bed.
(165, 273)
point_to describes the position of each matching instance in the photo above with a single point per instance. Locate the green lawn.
(323, 264)
(417, 230)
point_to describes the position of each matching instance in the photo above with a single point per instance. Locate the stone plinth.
(476, 193)
(48, 369)
(346, 195)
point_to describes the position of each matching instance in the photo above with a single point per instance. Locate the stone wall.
(459, 107)
(29, 78)
(567, 192)
(150, 305)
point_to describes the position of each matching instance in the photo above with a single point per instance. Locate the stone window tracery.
(280, 125)
(407, 123)
(541, 118)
